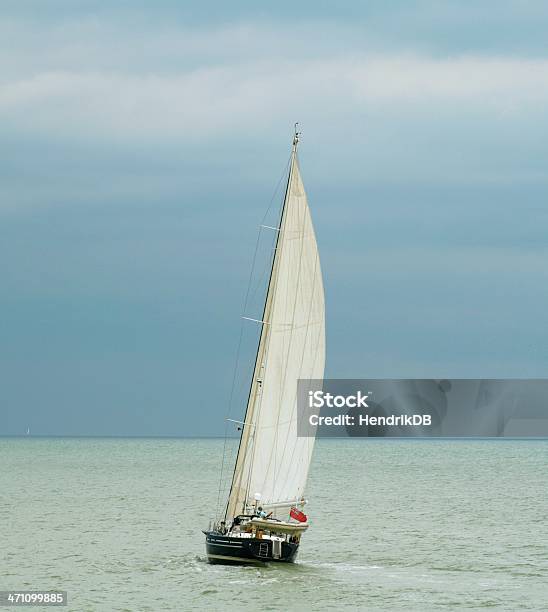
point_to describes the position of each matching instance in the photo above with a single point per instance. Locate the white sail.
(272, 460)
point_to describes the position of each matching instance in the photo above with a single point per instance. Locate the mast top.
(296, 137)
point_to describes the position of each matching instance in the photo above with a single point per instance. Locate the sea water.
(395, 525)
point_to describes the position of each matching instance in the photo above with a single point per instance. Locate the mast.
(256, 381)
(273, 459)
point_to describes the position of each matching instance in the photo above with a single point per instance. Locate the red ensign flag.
(298, 515)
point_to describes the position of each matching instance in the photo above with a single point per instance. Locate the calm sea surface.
(396, 525)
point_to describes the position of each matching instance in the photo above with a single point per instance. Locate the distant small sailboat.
(28, 431)
(264, 517)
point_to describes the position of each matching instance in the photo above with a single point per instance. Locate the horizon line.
(222, 437)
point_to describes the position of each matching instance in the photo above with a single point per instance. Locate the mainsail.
(272, 460)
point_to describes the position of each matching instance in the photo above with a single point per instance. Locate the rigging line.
(268, 263)
(226, 421)
(284, 174)
(292, 305)
(235, 373)
(240, 466)
(283, 249)
(264, 274)
(238, 350)
(289, 305)
(274, 278)
(246, 300)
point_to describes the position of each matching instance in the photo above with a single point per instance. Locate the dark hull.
(226, 549)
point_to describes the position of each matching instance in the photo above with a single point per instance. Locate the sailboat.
(264, 518)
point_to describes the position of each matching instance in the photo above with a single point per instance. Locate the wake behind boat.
(264, 518)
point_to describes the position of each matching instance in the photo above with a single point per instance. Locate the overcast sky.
(142, 142)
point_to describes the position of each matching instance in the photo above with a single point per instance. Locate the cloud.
(129, 77)
(90, 89)
(208, 101)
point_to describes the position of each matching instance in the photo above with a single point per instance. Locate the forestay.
(271, 459)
